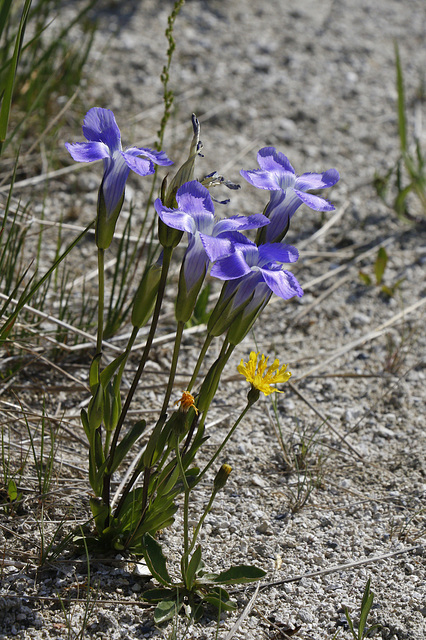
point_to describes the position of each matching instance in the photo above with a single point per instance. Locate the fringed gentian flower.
(253, 274)
(104, 143)
(288, 191)
(209, 239)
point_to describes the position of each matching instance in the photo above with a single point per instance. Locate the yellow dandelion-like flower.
(261, 376)
(186, 402)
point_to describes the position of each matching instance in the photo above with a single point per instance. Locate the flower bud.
(222, 476)
(144, 300)
(186, 172)
(106, 220)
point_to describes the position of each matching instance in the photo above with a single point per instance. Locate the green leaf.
(367, 601)
(94, 373)
(389, 292)
(109, 371)
(85, 423)
(365, 278)
(193, 565)
(219, 598)
(380, 264)
(126, 444)
(100, 512)
(240, 574)
(11, 74)
(12, 491)
(156, 595)
(155, 560)
(402, 125)
(351, 626)
(166, 610)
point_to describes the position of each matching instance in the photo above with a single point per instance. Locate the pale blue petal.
(282, 283)
(216, 247)
(317, 180)
(100, 126)
(114, 181)
(158, 157)
(192, 197)
(87, 151)
(141, 166)
(174, 218)
(270, 159)
(261, 179)
(234, 266)
(277, 252)
(242, 223)
(314, 202)
(196, 262)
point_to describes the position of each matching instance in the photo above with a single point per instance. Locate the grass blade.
(10, 80)
(402, 124)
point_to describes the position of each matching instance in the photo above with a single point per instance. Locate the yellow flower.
(261, 377)
(186, 402)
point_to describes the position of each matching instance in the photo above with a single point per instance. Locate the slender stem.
(219, 450)
(201, 357)
(203, 517)
(224, 355)
(185, 510)
(173, 366)
(167, 255)
(101, 298)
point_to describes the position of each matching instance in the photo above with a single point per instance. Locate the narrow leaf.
(240, 574)
(402, 126)
(10, 80)
(126, 444)
(380, 264)
(193, 565)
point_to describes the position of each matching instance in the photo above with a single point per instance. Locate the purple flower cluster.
(253, 271)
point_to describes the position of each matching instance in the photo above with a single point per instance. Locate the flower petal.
(87, 151)
(114, 181)
(158, 157)
(314, 202)
(100, 126)
(195, 262)
(175, 218)
(240, 222)
(231, 267)
(277, 252)
(270, 159)
(261, 179)
(317, 180)
(193, 198)
(217, 248)
(141, 166)
(282, 283)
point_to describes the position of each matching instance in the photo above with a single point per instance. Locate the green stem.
(167, 255)
(185, 511)
(173, 366)
(101, 298)
(201, 357)
(200, 523)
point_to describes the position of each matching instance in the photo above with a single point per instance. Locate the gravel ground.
(329, 491)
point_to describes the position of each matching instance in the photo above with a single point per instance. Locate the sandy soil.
(317, 81)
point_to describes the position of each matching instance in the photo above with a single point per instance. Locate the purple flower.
(288, 191)
(209, 239)
(104, 143)
(258, 269)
